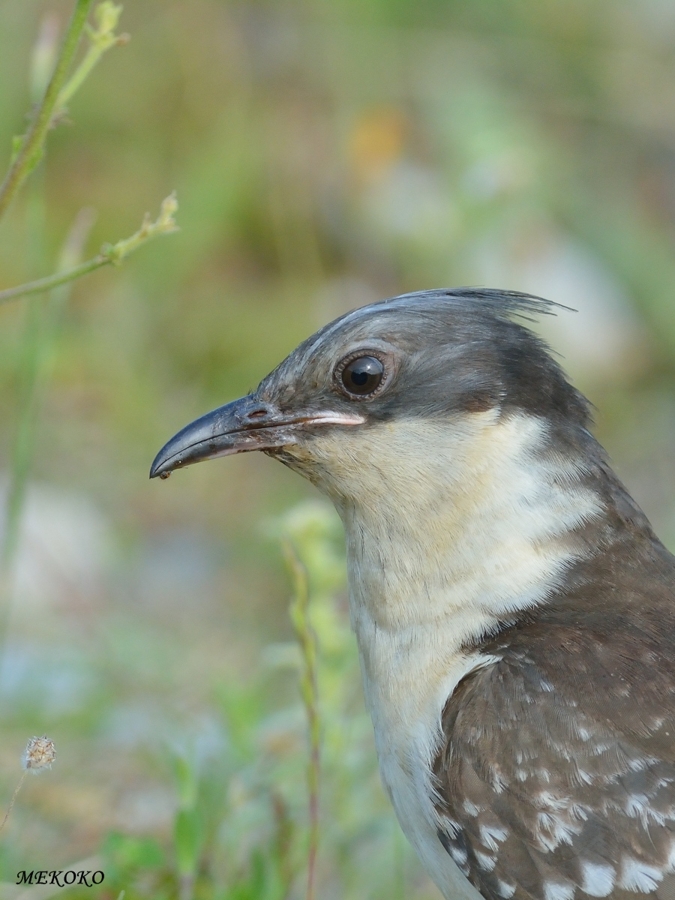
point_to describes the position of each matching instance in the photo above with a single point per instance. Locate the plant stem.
(53, 281)
(31, 149)
(13, 800)
(111, 254)
(299, 613)
(107, 14)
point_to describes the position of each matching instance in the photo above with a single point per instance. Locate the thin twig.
(31, 149)
(13, 800)
(299, 614)
(53, 281)
(111, 254)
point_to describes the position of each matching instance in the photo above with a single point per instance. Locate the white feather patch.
(486, 863)
(491, 836)
(556, 891)
(638, 876)
(597, 880)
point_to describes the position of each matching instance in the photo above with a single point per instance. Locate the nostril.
(256, 413)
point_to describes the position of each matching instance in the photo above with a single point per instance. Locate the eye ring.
(362, 374)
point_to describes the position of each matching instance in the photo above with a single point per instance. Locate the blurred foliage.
(325, 154)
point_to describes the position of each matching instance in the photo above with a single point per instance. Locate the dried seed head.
(39, 753)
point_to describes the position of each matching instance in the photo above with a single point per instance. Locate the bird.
(513, 608)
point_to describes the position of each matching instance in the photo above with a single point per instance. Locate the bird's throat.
(444, 524)
(449, 531)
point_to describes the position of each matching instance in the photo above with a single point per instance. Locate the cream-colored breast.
(438, 552)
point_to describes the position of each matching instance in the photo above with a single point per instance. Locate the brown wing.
(556, 778)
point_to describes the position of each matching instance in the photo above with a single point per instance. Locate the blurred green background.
(324, 155)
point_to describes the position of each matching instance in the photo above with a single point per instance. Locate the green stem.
(111, 254)
(80, 75)
(101, 41)
(31, 148)
(52, 281)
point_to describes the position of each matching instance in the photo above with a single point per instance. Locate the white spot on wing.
(556, 891)
(451, 826)
(505, 890)
(487, 863)
(553, 830)
(600, 747)
(471, 809)
(637, 805)
(578, 812)
(640, 806)
(458, 854)
(639, 763)
(597, 880)
(638, 876)
(491, 834)
(547, 800)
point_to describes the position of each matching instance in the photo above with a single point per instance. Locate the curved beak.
(240, 426)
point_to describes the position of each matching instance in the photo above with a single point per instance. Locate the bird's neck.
(462, 525)
(450, 531)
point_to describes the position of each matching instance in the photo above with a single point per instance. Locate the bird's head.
(448, 439)
(388, 391)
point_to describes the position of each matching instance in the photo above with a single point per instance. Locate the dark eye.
(362, 376)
